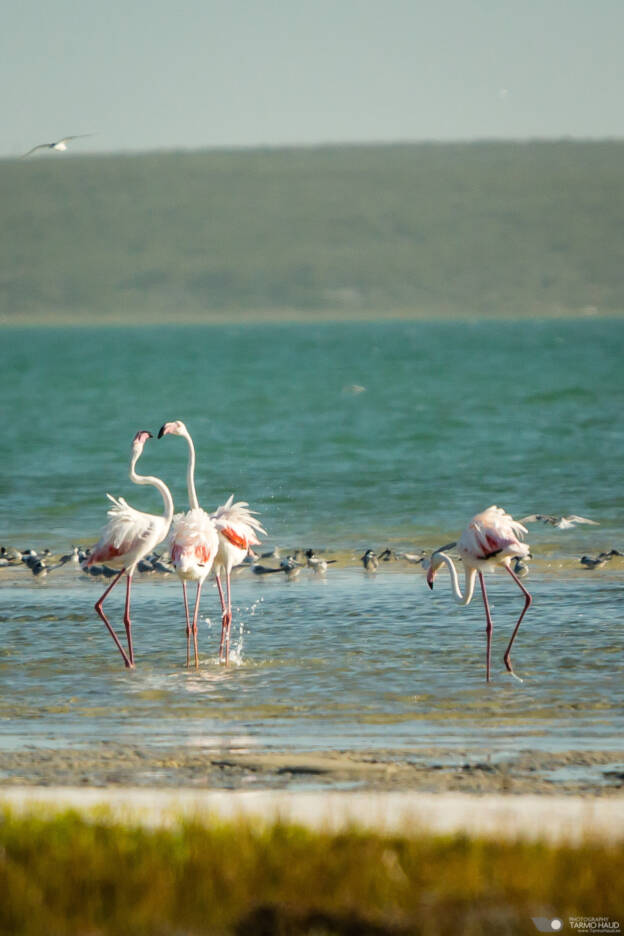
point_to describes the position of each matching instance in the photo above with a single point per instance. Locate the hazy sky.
(196, 73)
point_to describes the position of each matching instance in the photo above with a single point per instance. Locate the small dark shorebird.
(317, 563)
(370, 561)
(290, 567)
(601, 559)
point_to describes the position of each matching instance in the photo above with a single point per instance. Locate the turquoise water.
(451, 418)
(454, 417)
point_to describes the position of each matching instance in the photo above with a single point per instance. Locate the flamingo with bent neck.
(492, 538)
(193, 540)
(129, 536)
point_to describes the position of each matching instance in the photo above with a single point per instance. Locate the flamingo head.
(172, 428)
(435, 562)
(140, 439)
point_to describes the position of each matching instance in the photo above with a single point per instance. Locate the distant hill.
(483, 228)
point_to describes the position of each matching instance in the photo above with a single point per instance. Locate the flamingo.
(128, 536)
(492, 538)
(237, 527)
(193, 539)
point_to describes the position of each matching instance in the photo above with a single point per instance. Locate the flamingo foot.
(507, 662)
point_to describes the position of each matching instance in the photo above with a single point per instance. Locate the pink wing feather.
(491, 533)
(126, 530)
(237, 523)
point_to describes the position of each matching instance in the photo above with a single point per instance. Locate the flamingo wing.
(238, 524)
(125, 532)
(492, 532)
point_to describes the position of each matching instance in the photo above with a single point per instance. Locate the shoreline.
(292, 317)
(570, 820)
(549, 565)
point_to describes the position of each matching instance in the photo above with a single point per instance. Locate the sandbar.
(529, 818)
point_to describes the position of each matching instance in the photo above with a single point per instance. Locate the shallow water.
(350, 662)
(451, 418)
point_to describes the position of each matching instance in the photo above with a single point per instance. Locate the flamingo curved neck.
(190, 474)
(466, 598)
(157, 483)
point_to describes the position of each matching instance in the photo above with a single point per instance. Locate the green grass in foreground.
(66, 875)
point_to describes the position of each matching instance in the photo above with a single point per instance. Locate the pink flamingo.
(237, 527)
(193, 539)
(491, 538)
(128, 536)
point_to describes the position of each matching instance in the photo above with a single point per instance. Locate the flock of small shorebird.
(201, 543)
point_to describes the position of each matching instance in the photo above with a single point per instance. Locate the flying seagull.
(60, 145)
(562, 523)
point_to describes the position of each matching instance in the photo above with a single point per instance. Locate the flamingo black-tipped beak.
(430, 584)
(143, 436)
(162, 431)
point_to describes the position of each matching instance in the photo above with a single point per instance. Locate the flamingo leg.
(488, 627)
(223, 615)
(527, 604)
(188, 625)
(229, 619)
(195, 614)
(127, 622)
(100, 611)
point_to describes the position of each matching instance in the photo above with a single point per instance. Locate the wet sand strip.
(426, 770)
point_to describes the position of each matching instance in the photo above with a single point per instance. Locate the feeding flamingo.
(128, 536)
(492, 538)
(193, 539)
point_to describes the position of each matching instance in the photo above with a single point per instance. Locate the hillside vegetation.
(489, 228)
